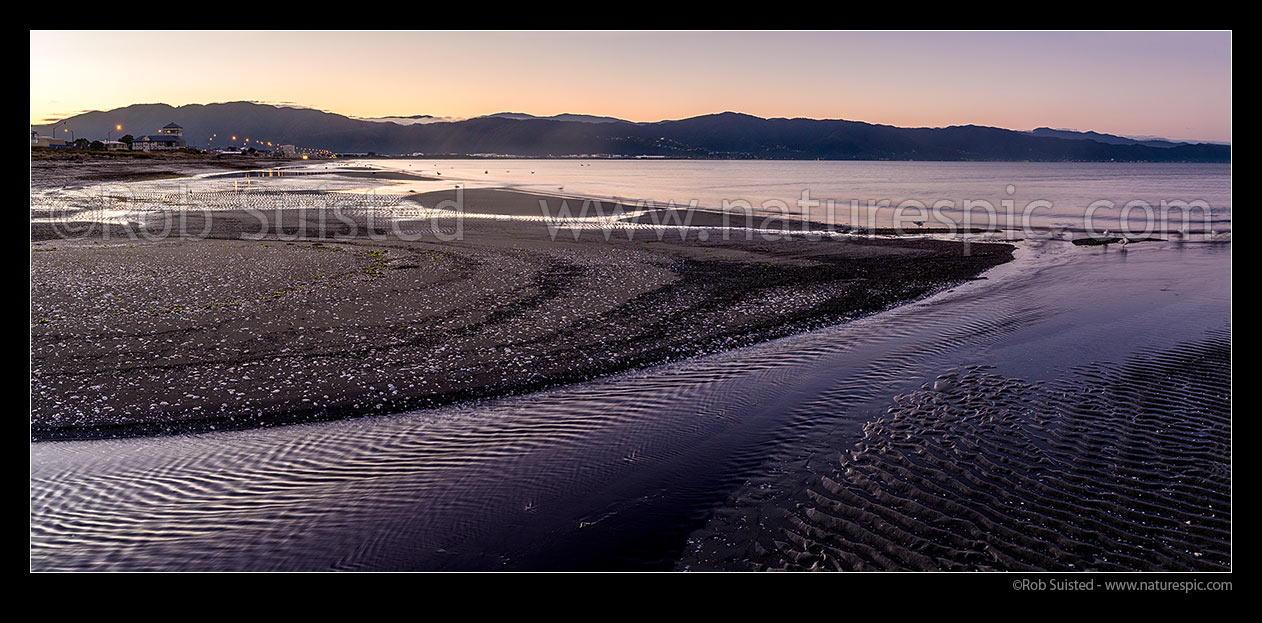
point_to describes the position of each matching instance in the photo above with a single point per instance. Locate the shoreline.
(786, 453)
(609, 475)
(74, 170)
(143, 337)
(464, 397)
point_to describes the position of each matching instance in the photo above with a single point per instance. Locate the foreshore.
(77, 169)
(314, 318)
(1023, 423)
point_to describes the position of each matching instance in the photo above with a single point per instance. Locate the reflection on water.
(611, 474)
(1190, 202)
(877, 188)
(1102, 469)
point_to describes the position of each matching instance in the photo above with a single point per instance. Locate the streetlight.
(53, 130)
(110, 135)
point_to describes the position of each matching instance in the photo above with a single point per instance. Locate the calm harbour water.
(639, 470)
(876, 189)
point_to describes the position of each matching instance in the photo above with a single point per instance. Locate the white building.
(45, 141)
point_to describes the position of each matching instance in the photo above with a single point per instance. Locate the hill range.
(725, 135)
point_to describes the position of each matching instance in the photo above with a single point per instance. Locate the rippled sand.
(1116, 467)
(1070, 412)
(140, 336)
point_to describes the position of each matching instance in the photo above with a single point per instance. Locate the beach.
(311, 317)
(70, 169)
(610, 393)
(895, 306)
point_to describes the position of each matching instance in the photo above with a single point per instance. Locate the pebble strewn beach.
(310, 318)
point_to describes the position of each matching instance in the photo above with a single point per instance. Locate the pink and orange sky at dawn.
(1169, 84)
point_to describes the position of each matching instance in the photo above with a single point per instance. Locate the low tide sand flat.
(1055, 428)
(319, 319)
(74, 170)
(616, 474)
(348, 315)
(1113, 468)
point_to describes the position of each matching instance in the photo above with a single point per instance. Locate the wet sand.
(1112, 468)
(67, 169)
(748, 219)
(328, 316)
(696, 464)
(1070, 413)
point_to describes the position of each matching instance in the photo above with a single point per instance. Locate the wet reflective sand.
(739, 460)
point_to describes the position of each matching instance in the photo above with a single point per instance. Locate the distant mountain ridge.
(561, 117)
(1108, 139)
(722, 135)
(408, 120)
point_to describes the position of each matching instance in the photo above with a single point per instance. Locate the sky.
(1169, 84)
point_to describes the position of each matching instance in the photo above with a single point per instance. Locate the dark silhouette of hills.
(723, 135)
(561, 117)
(1108, 139)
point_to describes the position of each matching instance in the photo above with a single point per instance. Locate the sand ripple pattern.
(1110, 468)
(1099, 466)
